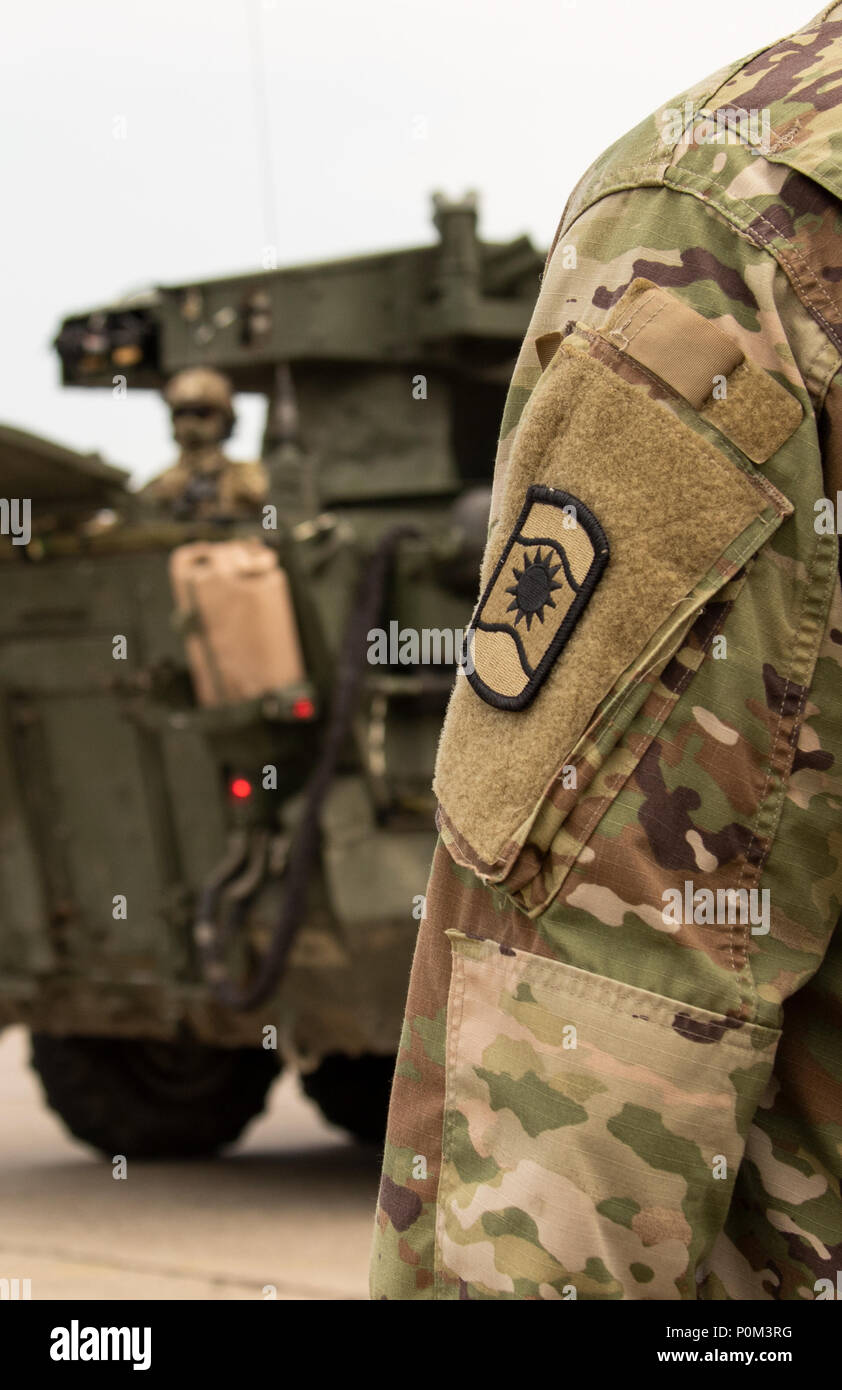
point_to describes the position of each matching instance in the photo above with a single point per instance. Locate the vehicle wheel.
(150, 1099)
(353, 1092)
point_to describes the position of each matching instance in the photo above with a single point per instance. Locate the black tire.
(150, 1099)
(353, 1092)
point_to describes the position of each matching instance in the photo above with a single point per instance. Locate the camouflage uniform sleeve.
(637, 869)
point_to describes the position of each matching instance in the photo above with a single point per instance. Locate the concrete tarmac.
(289, 1209)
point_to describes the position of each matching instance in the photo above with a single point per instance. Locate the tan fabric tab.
(546, 347)
(688, 353)
(672, 340)
(756, 413)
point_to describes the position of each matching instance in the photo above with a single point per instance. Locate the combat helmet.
(203, 387)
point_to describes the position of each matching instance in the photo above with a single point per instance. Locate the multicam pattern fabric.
(597, 1098)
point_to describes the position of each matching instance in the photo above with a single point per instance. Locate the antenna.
(264, 132)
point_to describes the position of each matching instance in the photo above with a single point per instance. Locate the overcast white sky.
(370, 105)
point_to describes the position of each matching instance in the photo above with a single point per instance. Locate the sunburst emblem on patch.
(534, 588)
(549, 568)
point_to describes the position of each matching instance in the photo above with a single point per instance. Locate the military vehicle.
(195, 895)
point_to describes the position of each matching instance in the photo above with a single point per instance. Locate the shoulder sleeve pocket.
(622, 514)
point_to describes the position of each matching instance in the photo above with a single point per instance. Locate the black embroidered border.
(585, 517)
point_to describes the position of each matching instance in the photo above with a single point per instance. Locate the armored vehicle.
(198, 889)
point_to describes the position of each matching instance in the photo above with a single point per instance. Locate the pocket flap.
(679, 515)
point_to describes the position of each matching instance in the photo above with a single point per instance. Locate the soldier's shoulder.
(793, 86)
(781, 103)
(164, 486)
(248, 477)
(246, 468)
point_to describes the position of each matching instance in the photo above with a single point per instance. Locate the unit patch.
(549, 568)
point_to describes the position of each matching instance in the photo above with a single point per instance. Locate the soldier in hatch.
(620, 1072)
(204, 484)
